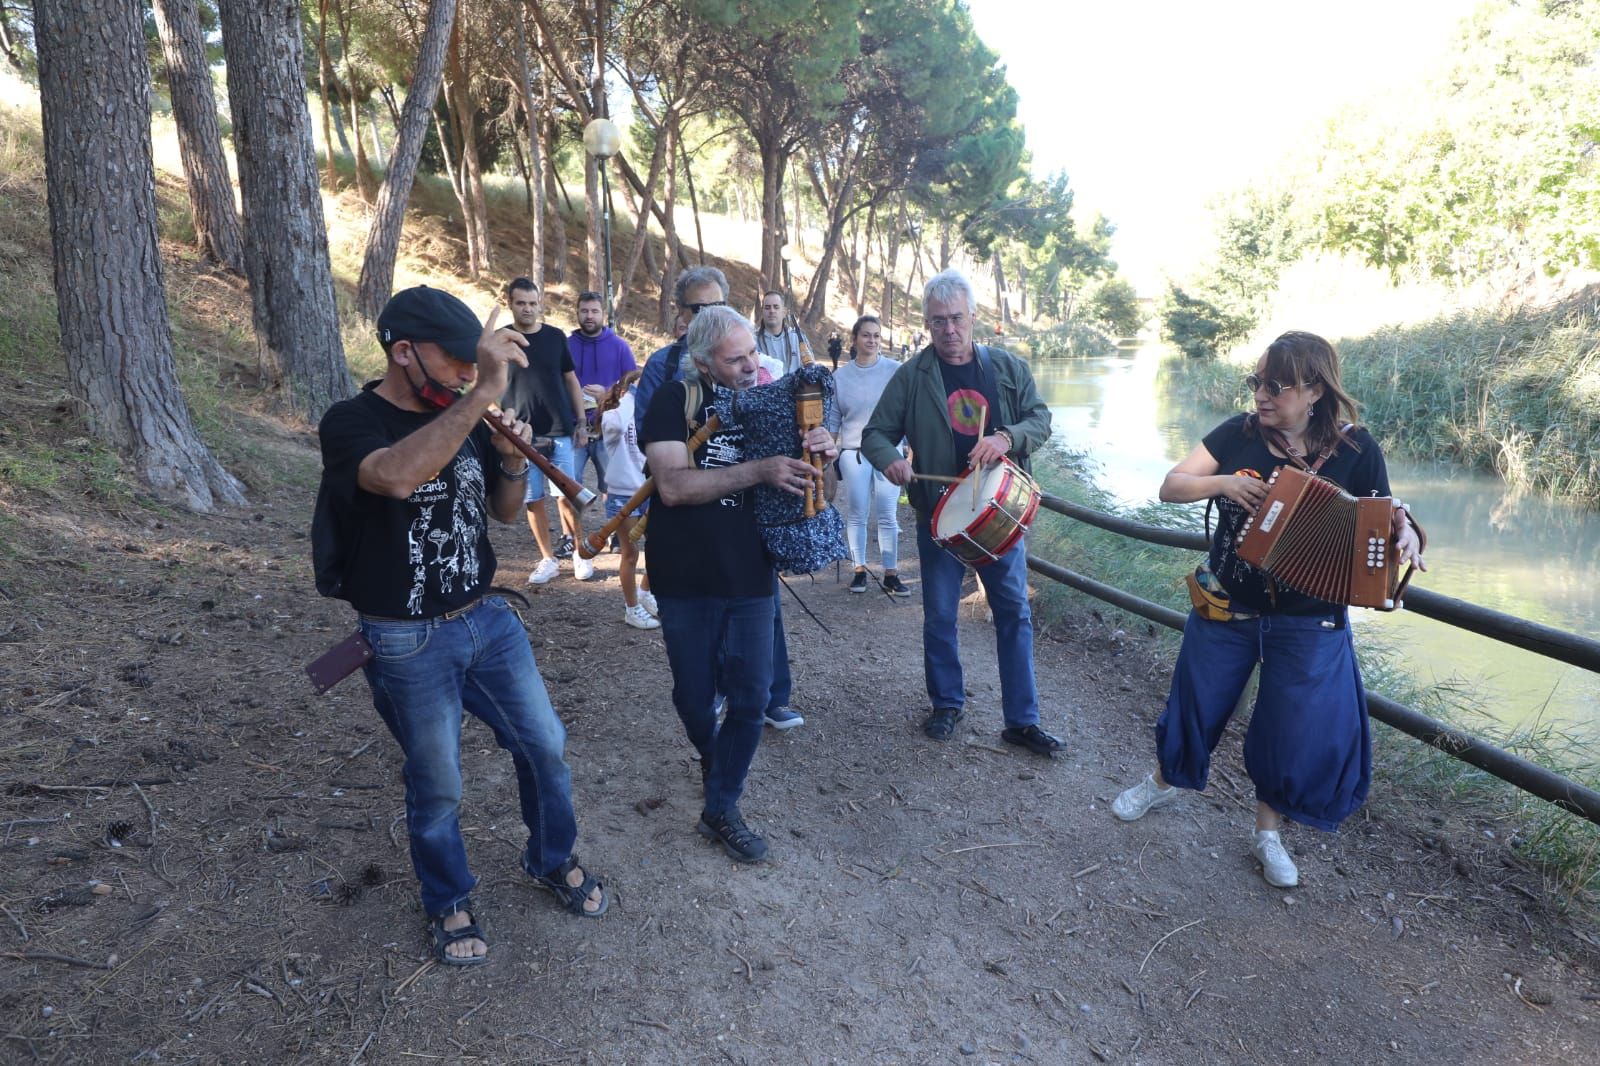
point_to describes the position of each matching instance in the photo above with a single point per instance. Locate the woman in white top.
(624, 475)
(859, 383)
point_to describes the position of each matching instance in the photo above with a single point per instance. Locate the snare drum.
(980, 532)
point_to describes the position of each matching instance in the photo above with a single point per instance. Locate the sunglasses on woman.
(1253, 382)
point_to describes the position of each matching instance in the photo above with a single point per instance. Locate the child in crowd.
(624, 475)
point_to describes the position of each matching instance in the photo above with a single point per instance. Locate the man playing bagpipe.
(709, 567)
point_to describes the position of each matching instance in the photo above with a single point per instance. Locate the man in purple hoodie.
(601, 358)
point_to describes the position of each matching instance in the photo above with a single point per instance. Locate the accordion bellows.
(1315, 538)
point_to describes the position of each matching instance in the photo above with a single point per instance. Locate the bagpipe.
(801, 533)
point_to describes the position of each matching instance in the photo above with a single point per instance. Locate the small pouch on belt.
(1207, 595)
(339, 662)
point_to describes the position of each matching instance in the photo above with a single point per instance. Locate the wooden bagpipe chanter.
(1313, 537)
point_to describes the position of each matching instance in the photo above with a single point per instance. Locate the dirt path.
(251, 900)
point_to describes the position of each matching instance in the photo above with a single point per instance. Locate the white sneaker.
(544, 572)
(582, 568)
(1141, 799)
(1276, 866)
(639, 618)
(648, 602)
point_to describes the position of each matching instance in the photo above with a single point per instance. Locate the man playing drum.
(964, 407)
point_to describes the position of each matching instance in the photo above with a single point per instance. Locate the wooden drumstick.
(977, 482)
(937, 477)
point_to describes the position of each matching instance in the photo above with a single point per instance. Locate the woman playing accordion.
(1307, 748)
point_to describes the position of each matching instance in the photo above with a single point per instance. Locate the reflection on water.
(1519, 554)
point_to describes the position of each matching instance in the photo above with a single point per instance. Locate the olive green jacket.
(913, 406)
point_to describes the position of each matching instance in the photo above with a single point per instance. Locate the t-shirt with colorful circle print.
(968, 398)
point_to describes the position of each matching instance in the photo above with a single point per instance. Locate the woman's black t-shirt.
(1358, 470)
(703, 549)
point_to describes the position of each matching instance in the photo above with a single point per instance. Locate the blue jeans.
(536, 479)
(725, 645)
(593, 452)
(1005, 582)
(423, 675)
(865, 489)
(1308, 748)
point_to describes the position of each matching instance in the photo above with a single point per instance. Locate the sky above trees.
(1154, 109)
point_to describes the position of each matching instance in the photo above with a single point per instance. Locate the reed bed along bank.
(1564, 846)
(1514, 389)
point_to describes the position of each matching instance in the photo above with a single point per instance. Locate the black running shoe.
(894, 586)
(859, 582)
(564, 547)
(737, 839)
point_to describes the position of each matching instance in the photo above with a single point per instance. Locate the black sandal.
(572, 897)
(1034, 739)
(443, 938)
(941, 724)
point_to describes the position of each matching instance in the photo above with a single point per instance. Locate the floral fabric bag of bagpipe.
(802, 534)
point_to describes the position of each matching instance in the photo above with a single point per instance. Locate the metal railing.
(1544, 640)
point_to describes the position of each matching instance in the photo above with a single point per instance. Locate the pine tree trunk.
(324, 89)
(94, 90)
(557, 234)
(772, 168)
(535, 173)
(286, 240)
(366, 181)
(865, 277)
(600, 16)
(694, 201)
(378, 154)
(891, 265)
(388, 215)
(1000, 290)
(194, 111)
(665, 146)
(666, 315)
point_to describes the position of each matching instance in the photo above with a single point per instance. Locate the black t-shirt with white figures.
(429, 553)
(703, 549)
(1359, 470)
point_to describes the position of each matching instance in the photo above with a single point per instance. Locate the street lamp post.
(602, 139)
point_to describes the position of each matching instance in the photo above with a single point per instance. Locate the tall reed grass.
(1511, 389)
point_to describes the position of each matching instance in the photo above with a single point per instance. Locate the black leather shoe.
(1034, 739)
(941, 724)
(737, 839)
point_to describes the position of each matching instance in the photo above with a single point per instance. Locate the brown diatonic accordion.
(1315, 538)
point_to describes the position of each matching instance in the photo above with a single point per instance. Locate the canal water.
(1521, 554)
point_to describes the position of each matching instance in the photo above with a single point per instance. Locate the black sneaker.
(737, 839)
(894, 586)
(564, 547)
(859, 582)
(615, 545)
